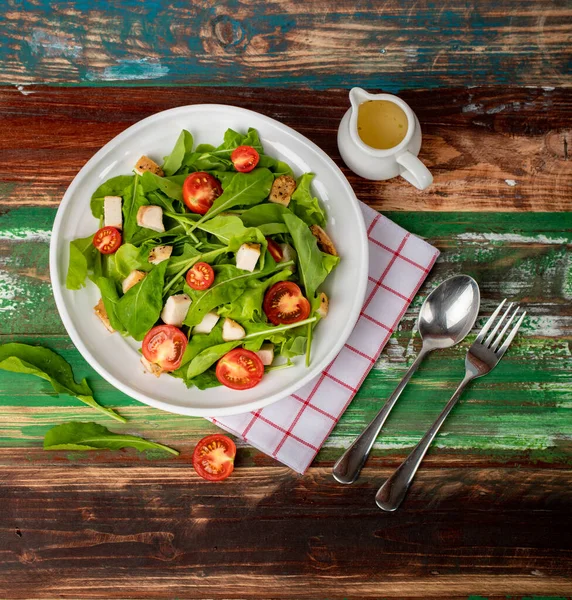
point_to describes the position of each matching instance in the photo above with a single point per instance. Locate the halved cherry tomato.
(200, 276)
(200, 190)
(274, 249)
(244, 158)
(285, 304)
(107, 240)
(240, 369)
(165, 345)
(213, 457)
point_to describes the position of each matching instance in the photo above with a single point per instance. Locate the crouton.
(152, 368)
(282, 190)
(100, 311)
(324, 242)
(324, 305)
(146, 164)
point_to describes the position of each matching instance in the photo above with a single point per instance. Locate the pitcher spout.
(358, 96)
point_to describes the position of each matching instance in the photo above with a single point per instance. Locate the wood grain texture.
(489, 514)
(489, 149)
(316, 44)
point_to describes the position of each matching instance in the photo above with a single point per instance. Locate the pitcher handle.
(415, 171)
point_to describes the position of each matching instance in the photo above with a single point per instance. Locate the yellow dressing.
(381, 124)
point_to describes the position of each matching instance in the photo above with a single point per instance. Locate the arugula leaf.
(140, 308)
(263, 214)
(208, 357)
(83, 255)
(91, 436)
(306, 206)
(116, 186)
(277, 167)
(132, 202)
(176, 263)
(310, 262)
(244, 189)
(110, 297)
(224, 227)
(174, 161)
(44, 363)
(171, 187)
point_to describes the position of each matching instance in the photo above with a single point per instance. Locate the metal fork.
(482, 357)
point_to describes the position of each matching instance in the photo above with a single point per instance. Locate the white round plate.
(116, 358)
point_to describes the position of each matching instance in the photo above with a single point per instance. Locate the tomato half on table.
(200, 190)
(284, 304)
(165, 345)
(213, 457)
(274, 249)
(200, 276)
(244, 158)
(107, 240)
(240, 369)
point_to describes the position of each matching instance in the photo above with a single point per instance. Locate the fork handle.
(348, 467)
(391, 494)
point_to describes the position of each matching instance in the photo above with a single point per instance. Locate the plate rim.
(55, 274)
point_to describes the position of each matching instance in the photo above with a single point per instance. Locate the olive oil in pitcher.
(381, 124)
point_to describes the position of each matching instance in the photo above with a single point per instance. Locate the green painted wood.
(523, 408)
(321, 44)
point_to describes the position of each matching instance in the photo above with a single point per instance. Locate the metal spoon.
(446, 317)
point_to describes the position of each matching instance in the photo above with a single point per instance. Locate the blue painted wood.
(322, 44)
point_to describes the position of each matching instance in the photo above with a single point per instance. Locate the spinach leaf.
(205, 380)
(263, 214)
(174, 161)
(44, 363)
(224, 227)
(128, 258)
(83, 255)
(208, 357)
(276, 166)
(244, 189)
(171, 187)
(329, 261)
(257, 333)
(306, 206)
(110, 297)
(273, 229)
(91, 436)
(116, 186)
(132, 202)
(310, 262)
(140, 307)
(176, 263)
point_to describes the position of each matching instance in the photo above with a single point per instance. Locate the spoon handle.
(348, 467)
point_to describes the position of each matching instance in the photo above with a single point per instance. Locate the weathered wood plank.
(319, 44)
(489, 149)
(491, 531)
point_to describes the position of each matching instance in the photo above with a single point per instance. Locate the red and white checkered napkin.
(293, 429)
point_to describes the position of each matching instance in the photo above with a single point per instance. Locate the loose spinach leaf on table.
(140, 307)
(310, 263)
(116, 186)
(91, 436)
(304, 205)
(244, 189)
(174, 161)
(83, 255)
(44, 363)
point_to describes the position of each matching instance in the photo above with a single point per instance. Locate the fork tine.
(502, 349)
(501, 335)
(487, 325)
(492, 334)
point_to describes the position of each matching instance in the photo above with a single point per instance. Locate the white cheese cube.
(232, 331)
(112, 216)
(207, 324)
(132, 279)
(176, 309)
(247, 256)
(266, 354)
(159, 253)
(151, 217)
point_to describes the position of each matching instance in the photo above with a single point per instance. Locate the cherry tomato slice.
(107, 240)
(274, 249)
(244, 158)
(213, 457)
(200, 190)
(165, 345)
(240, 369)
(200, 276)
(285, 304)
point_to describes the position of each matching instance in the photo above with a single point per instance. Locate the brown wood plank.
(148, 532)
(489, 149)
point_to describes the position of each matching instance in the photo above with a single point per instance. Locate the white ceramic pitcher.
(375, 164)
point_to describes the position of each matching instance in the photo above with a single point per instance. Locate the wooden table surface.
(490, 512)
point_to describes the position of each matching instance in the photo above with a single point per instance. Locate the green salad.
(213, 260)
